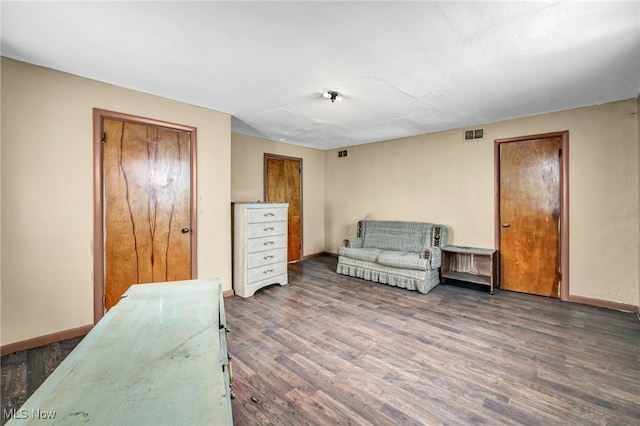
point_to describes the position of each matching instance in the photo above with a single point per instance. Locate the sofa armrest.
(352, 242)
(433, 256)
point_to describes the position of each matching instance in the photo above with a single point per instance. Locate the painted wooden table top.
(153, 359)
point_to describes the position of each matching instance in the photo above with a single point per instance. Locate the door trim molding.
(564, 200)
(265, 181)
(98, 198)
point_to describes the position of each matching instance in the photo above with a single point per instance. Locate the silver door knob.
(505, 225)
(185, 230)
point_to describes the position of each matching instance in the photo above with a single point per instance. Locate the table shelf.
(470, 264)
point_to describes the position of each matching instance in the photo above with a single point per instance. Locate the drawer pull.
(268, 271)
(268, 257)
(269, 214)
(233, 396)
(268, 243)
(268, 229)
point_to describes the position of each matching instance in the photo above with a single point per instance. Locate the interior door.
(283, 177)
(529, 212)
(147, 205)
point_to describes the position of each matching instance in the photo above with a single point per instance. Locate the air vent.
(343, 153)
(474, 134)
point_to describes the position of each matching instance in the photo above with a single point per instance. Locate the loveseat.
(400, 254)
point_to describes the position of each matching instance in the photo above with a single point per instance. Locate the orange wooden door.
(529, 216)
(147, 184)
(282, 183)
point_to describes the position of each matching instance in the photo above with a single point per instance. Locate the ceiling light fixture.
(333, 95)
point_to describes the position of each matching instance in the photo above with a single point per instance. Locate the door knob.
(505, 225)
(185, 230)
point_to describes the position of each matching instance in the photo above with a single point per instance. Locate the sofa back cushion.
(395, 235)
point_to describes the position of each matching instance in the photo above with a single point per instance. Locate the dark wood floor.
(329, 349)
(332, 350)
(23, 372)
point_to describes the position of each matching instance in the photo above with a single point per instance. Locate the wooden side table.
(471, 264)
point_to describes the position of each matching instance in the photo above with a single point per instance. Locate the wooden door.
(283, 177)
(147, 211)
(529, 215)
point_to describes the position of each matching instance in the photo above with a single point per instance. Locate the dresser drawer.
(265, 272)
(266, 229)
(266, 243)
(266, 257)
(273, 214)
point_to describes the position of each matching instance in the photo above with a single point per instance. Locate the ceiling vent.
(474, 134)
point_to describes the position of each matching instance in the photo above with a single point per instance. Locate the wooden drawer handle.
(269, 229)
(268, 271)
(268, 257)
(268, 243)
(269, 214)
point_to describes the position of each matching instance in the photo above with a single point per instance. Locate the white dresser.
(260, 246)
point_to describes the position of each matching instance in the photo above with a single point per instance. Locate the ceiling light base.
(332, 95)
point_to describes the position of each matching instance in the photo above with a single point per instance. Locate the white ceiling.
(404, 68)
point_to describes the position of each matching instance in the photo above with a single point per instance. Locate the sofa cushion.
(403, 260)
(394, 235)
(364, 254)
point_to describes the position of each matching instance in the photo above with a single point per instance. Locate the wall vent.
(474, 134)
(343, 153)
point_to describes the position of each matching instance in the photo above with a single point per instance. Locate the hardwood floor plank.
(342, 350)
(23, 372)
(341, 387)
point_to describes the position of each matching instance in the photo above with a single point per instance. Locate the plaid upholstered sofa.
(400, 254)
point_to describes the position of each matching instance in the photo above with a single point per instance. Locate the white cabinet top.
(262, 204)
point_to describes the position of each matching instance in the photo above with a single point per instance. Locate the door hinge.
(104, 137)
(104, 302)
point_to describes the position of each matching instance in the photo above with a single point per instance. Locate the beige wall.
(47, 199)
(247, 180)
(439, 178)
